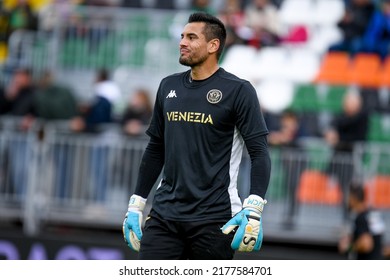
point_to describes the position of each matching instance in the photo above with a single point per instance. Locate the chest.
(205, 105)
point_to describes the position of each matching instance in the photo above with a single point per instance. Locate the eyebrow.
(189, 34)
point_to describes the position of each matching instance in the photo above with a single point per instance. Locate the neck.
(202, 72)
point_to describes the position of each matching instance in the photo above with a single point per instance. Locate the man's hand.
(131, 228)
(249, 235)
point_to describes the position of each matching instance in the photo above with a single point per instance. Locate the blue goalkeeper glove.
(131, 228)
(249, 235)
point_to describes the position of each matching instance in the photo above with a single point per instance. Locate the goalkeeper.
(201, 122)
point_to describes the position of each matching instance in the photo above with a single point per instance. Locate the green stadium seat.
(333, 101)
(379, 128)
(305, 99)
(317, 98)
(379, 132)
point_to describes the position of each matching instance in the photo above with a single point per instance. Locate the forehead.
(194, 28)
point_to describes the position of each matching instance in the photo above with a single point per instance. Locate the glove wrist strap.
(254, 202)
(137, 201)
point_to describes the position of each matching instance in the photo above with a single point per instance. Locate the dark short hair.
(356, 190)
(214, 28)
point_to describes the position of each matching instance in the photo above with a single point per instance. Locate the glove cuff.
(255, 202)
(136, 201)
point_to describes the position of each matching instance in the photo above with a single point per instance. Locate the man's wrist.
(255, 202)
(137, 201)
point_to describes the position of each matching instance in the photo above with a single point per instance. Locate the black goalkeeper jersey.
(204, 126)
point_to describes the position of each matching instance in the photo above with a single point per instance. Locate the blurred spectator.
(377, 36)
(100, 110)
(54, 101)
(105, 87)
(262, 17)
(91, 120)
(22, 17)
(347, 128)
(353, 25)
(288, 132)
(351, 125)
(57, 102)
(286, 137)
(18, 98)
(233, 18)
(365, 241)
(138, 113)
(17, 101)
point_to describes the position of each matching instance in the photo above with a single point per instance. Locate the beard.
(192, 61)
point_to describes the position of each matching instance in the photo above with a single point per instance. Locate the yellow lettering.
(182, 116)
(209, 119)
(197, 117)
(189, 117)
(175, 116)
(169, 115)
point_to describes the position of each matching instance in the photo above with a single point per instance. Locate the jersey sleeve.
(156, 127)
(249, 118)
(150, 167)
(251, 124)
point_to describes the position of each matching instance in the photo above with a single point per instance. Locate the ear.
(213, 46)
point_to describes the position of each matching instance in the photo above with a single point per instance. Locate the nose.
(183, 42)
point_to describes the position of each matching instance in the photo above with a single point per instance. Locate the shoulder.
(235, 82)
(223, 74)
(174, 78)
(242, 88)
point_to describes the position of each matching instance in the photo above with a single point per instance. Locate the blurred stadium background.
(64, 194)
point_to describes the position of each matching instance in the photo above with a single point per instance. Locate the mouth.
(184, 51)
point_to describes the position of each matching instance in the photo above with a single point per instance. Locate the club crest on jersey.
(214, 96)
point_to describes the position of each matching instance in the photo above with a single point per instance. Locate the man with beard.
(202, 118)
